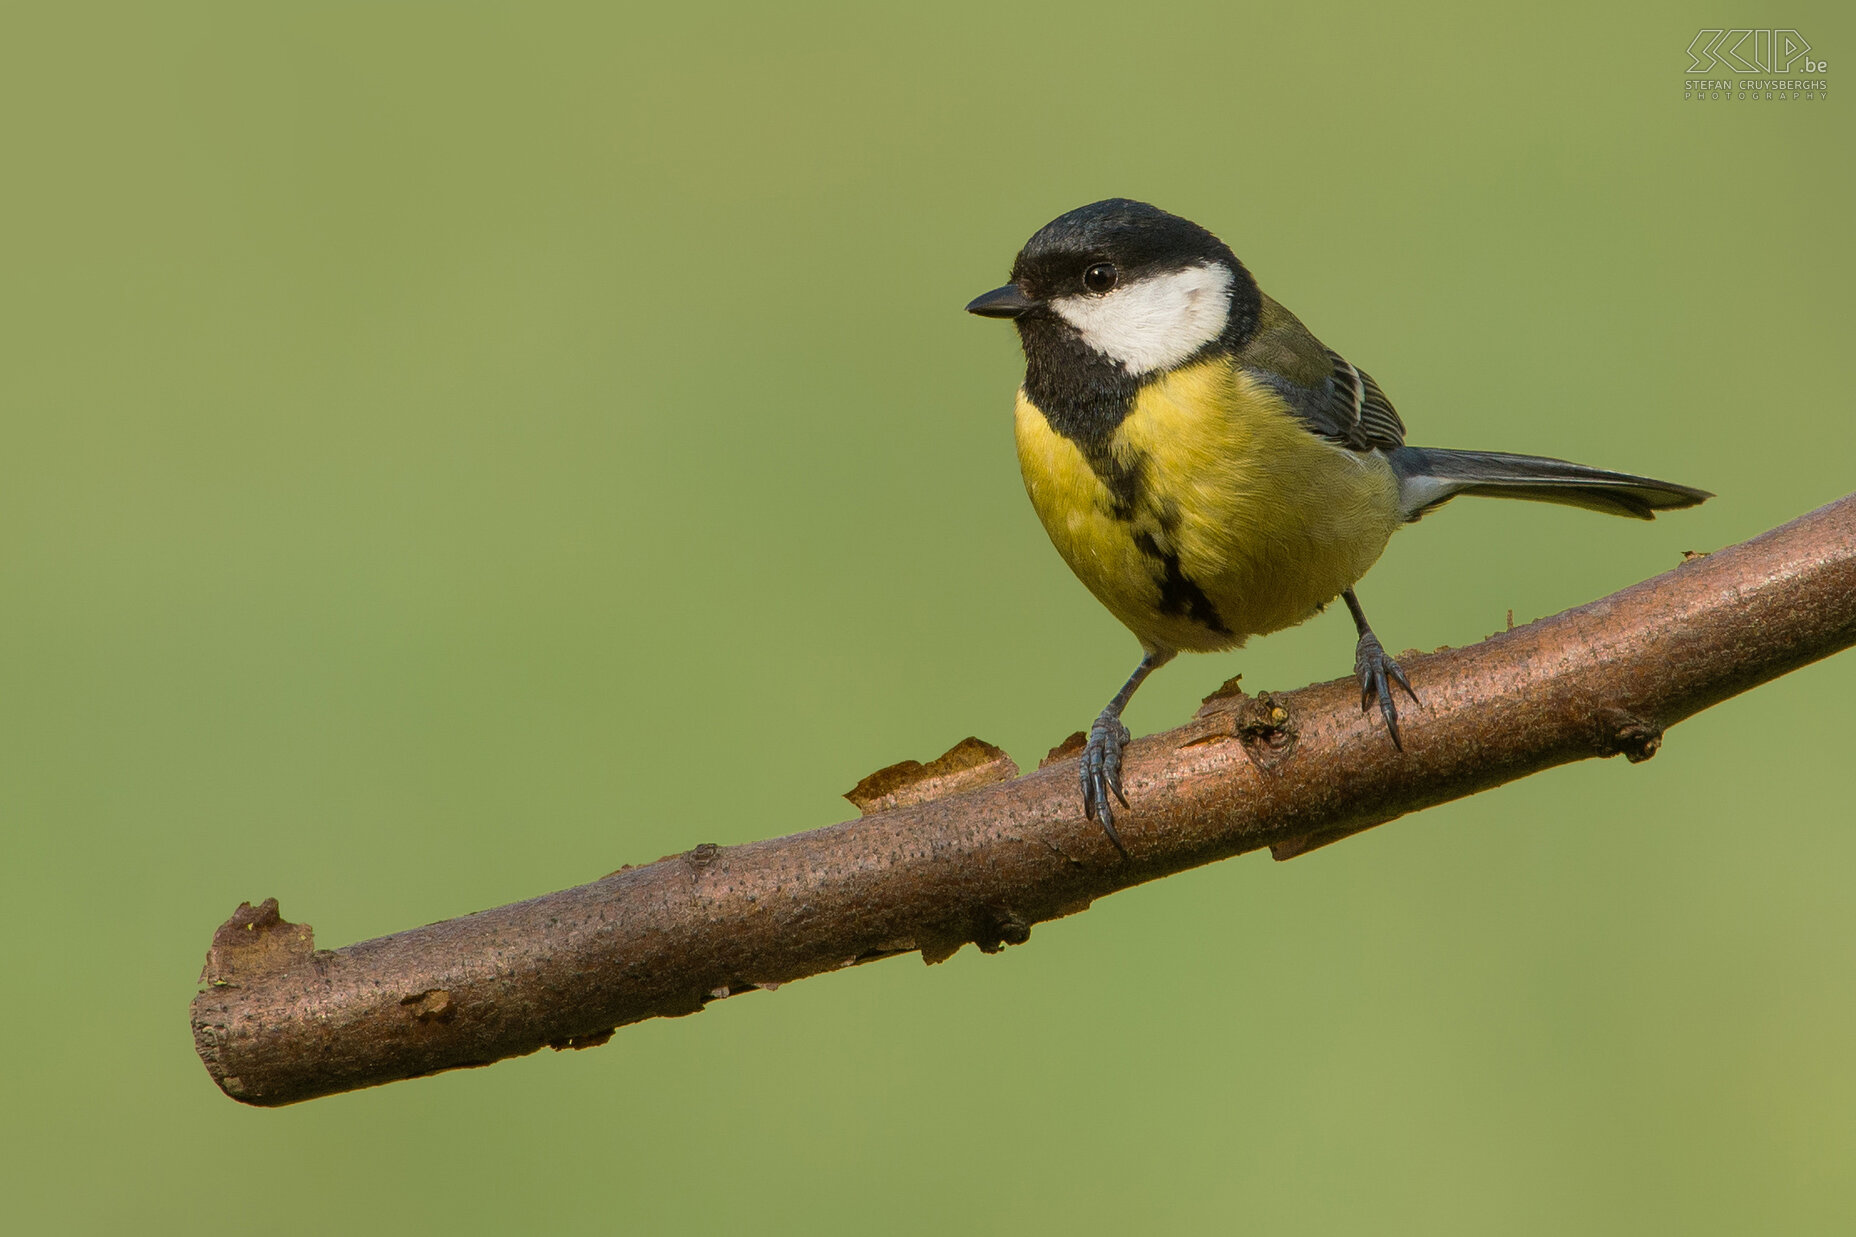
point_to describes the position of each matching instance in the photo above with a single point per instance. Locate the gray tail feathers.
(1430, 476)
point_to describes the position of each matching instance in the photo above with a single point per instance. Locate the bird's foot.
(1377, 672)
(1101, 773)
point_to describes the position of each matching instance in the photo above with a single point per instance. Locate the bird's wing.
(1332, 397)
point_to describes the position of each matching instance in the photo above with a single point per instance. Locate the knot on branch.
(1267, 731)
(1262, 723)
(1000, 926)
(1622, 733)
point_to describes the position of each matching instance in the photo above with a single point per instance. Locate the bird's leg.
(1101, 761)
(1374, 669)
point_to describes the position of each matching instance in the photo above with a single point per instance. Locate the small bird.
(1208, 468)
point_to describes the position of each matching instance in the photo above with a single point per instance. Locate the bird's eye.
(1100, 277)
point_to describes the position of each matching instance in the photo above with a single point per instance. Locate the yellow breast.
(1228, 519)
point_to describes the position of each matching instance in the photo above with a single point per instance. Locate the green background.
(450, 451)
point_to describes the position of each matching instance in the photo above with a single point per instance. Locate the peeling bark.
(961, 850)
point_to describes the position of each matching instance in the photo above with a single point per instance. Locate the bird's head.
(1135, 286)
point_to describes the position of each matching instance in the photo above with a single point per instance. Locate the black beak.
(1006, 302)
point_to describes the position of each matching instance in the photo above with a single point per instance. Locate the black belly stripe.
(1085, 397)
(1126, 483)
(1178, 594)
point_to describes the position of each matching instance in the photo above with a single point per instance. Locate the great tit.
(1211, 470)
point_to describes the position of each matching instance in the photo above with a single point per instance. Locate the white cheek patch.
(1156, 322)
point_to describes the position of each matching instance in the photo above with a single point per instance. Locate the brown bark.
(963, 850)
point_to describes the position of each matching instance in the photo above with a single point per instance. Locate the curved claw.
(1377, 672)
(1100, 773)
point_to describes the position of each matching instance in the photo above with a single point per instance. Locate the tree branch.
(964, 850)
